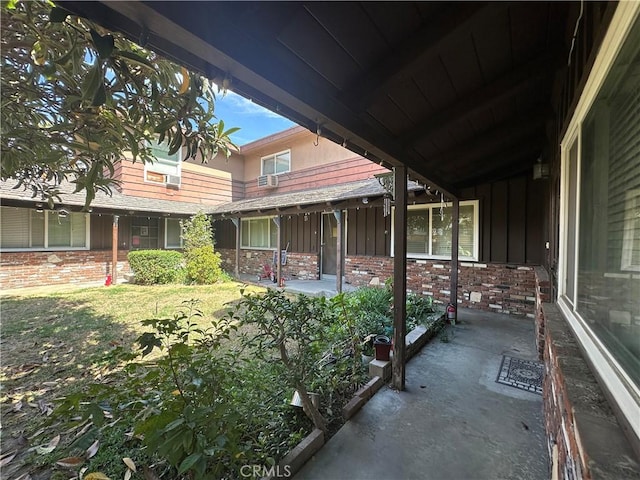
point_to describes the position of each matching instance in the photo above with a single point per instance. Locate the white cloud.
(242, 106)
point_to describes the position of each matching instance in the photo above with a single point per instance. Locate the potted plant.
(367, 349)
(382, 345)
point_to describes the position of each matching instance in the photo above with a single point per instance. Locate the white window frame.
(615, 379)
(45, 247)
(163, 166)
(166, 223)
(274, 156)
(244, 223)
(434, 207)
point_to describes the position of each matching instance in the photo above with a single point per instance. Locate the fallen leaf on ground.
(93, 449)
(127, 475)
(70, 462)
(129, 463)
(7, 457)
(96, 476)
(50, 447)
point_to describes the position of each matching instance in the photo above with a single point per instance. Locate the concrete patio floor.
(326, 286)
(453, 421)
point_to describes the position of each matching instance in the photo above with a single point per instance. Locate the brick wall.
(33, 269)
(502, 288)
(584, 438)
(300, 266)
(543, 295)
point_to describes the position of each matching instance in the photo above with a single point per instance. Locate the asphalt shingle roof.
(118, 201)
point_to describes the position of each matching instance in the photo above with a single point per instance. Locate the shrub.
(156, 266)
(202, 265)
(202, 262)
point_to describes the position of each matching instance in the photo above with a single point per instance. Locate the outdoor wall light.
(365, 200)
(540, 170)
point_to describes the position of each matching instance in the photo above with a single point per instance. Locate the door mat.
(523, 374)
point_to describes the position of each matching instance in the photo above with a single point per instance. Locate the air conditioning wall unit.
(173, 181)
(268, 181)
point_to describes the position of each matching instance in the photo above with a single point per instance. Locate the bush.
(202, 265)
(156, 266)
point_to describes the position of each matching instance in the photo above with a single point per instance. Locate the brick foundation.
(300, 266)
(34, 269)
(584, 438)
(502, 288)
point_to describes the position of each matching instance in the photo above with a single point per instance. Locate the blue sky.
(254, 121)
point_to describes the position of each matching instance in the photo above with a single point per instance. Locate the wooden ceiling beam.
(507, 86)
(408, 57)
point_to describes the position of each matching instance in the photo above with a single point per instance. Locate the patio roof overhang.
(457, 92)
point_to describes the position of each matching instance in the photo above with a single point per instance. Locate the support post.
(278, 221)
(338, 215)
(236, 222)
(455, 227)
(114, 251)
(399, 277)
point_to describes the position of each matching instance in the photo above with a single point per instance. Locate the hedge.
(156, 266)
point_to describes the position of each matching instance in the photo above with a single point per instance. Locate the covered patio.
(453, 420)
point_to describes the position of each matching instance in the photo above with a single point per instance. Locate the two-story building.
(321, 203)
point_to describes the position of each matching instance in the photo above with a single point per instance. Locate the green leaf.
(91, 81)
(104, 43)
(100, 96)
(58, 15)
(136, 58)
(97, 415)
(176, 423)
(189, 462)
(147, 341)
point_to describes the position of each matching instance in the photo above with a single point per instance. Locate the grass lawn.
(55, 342)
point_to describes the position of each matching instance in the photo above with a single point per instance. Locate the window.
(172, 233)
(276, 164)
(599, 278)
(145, 233)
(259, 233)
(24, 229)
(165, 165)
(429, 230)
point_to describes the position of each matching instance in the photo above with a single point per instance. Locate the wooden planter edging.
(296, 458)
